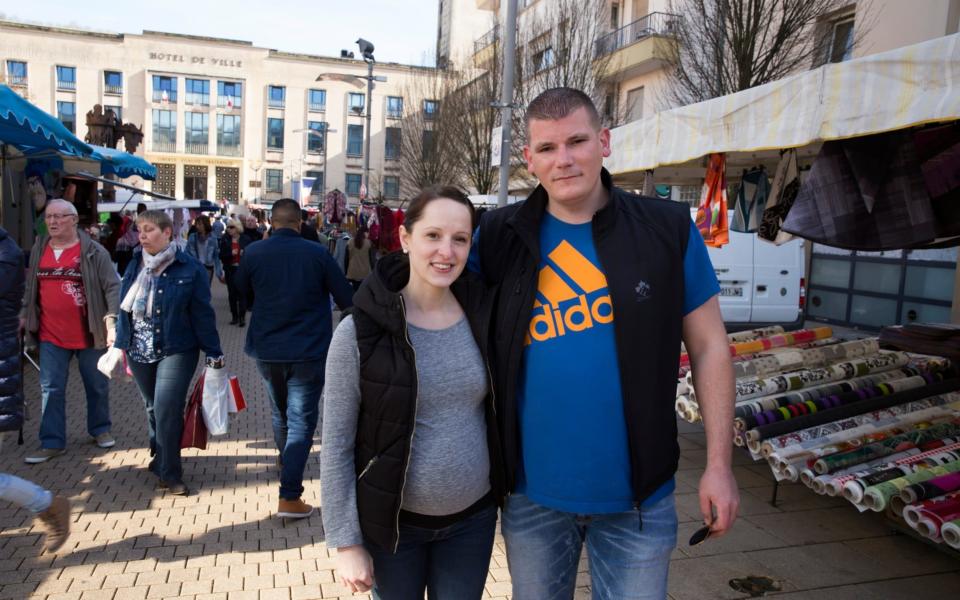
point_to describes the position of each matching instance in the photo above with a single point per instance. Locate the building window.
(229, 94)
(841, 40)
(354, 140)
(543, 60)
(117, 110)
(394, 107)
(634, 105)
(317, 100)
(113, 83)
(431, 108)
(316, 140)
(228, 135)
(194, 182)
(67, 113)
(164, 131)
(355, 102)
(164, 89)
(614, 16)
(275, 134)
(392, 148)
(391, 186)
(197, 129)
(426, 144)
(274, 182)
(690, 194)
(66, 78)
(317, 188)
(198, 91)
(353, 184)
(16, 72)
(276, 96)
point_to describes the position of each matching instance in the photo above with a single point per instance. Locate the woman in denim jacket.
(165, 320)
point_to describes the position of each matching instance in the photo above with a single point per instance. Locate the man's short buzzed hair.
(285, 213)
(557, 103)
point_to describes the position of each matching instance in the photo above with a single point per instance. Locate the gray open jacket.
(101, 285)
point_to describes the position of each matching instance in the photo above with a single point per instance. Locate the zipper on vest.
(367, 468)
(413, 426)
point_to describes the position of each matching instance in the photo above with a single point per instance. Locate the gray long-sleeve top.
(449, 463)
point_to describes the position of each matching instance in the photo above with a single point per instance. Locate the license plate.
(731, 291)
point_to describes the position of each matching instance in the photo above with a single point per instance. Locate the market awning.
(31, 130)
(123, 164)
(892, 90)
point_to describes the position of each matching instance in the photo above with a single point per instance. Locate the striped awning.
(882, 92)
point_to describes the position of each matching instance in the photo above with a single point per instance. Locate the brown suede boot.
(57, 521)
(294, 509)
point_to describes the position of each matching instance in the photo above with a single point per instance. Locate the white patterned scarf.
(139, 298)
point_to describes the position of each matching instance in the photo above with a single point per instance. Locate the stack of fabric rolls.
(877, 427)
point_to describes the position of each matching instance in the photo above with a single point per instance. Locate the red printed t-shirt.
(63, 301)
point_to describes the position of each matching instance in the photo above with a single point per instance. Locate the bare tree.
(725, 46)
(477, 117)
(429, 147)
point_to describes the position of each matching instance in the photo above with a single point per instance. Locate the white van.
(760, 283)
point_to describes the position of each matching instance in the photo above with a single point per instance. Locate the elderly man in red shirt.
(70, 309)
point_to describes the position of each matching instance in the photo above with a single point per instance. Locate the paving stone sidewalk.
(131, 542)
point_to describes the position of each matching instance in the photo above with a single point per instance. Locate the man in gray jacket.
(70, 309)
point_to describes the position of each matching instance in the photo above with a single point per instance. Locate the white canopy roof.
(892, 90)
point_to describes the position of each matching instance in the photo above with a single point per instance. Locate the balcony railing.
(198, 99)
(229, 150)
(197, 148)
(394, 113)
(113, 90)
(275, 103)
(657, 23)
(164, 146)
(68, 86)
(171, 96)
(20, 80)
(222, 101)
(486, 39)
(317, 107)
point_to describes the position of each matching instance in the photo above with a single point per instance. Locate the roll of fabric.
(803, 378)
(805, 358)
(765, 432)
(831, 398)
(833, 483)
(951, 533)
(774, 341)
(827, 341)
(887, 446)
(928, 517)
(853, 490)
(876, 497)
(818, 483)
(932, 488)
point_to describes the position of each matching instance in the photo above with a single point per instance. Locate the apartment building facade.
(222, 119)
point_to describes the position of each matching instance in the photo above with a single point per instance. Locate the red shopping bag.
(194, 429)
(237, 403)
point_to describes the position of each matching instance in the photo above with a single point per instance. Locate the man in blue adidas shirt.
(598, 287)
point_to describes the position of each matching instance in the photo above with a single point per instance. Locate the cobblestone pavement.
(130, 541)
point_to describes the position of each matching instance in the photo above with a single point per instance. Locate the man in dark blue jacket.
(289, 334)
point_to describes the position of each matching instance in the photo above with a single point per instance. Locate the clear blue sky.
(403, 31)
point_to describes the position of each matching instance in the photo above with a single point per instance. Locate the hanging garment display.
(712, 213)
(751, 201)
(865, 193)
(783, 193)
(334, 206)
(938, 149)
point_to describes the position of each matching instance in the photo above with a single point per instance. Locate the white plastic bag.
(216, 400)
(109, 361)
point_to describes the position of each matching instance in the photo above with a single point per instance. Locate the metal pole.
(323, 182)
(366, 153)
(506, 99)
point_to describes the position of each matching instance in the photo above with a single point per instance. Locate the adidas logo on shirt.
(572, 296)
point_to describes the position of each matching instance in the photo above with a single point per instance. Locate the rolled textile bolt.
(928, 528)
(896, 506)
(951, 533)
(808, 479)
(790, 472)
(853, 492)
(682, 388)
(911, 515)
(831, 486)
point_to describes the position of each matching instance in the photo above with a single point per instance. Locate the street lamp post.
(366, 49)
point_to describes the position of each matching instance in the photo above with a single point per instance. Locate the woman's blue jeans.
(449, 563)
(164, 386)
(24, 493)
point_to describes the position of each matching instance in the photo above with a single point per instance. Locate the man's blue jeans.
(627, 560)
(54, 369)
(164, 386)
(294, 388)
(450, 563)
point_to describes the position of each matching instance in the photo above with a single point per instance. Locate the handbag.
(194, 429)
